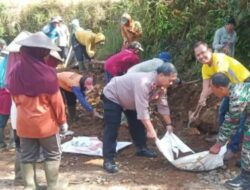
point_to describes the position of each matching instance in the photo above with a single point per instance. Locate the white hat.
(38, 39)
(59, 18)
(13, 47)
(135, 45)
(75, 22)
(56, 55)
(54, 19)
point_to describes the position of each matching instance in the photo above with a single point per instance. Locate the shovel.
(192, 116)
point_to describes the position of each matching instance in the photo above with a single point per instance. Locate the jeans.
(234, 144)
(80, 50)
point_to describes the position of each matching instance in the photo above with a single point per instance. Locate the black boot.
(145, 152)
(241, 181)
(110, 166)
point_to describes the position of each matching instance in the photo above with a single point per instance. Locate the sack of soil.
(170, 146)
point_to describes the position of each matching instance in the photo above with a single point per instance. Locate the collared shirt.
(119, 63)
(239, 101)
(222, 38)
(133, 91)
(232, 68)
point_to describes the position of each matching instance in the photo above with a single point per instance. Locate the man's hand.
(151, 134)
(215, 149)
(202, 102)
(96, 114)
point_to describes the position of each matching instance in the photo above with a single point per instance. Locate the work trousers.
(30, 148)
(234, 144)
(112, 119)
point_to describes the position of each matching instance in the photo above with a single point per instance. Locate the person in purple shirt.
(132, 94)
(119, 63)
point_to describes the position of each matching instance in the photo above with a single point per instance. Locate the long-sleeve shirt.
(39, 116)
(70, 82)
(132, 92)
(223, 38)
(119, 63)
(239, 101)
(147, 66)
(89, 40)
(63, 35)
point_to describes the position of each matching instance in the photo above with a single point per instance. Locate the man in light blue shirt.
(225, 38)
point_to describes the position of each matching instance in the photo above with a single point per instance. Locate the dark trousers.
(112, 119)
(68, 97)
(17, 140)
(79, 49)
(107, 77)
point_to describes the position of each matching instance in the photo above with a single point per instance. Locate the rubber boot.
(28, 171)
(72, 113)
(2, 143)
(18, 172)
(11, 144)
(51, 173)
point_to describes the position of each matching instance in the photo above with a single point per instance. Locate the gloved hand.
(64, 128)
(96, 114)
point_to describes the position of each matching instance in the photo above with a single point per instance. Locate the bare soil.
(85, 172)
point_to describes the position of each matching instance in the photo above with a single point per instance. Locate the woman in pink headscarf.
(40, 108)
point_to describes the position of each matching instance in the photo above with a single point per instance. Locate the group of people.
(40, 94)
(82, 41)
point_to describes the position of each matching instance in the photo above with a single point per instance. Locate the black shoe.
(110, 166)
(242, 180)
(146, 153)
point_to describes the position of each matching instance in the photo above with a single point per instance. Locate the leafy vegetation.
(168, 25)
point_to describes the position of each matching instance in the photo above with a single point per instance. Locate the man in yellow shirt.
(219, 62)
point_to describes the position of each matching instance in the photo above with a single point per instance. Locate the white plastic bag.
(203, 161)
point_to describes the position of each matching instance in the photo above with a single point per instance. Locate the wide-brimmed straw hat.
(56, 55)
(13, 47)
(38, 39)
